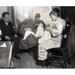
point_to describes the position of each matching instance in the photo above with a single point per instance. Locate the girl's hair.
(54, 11)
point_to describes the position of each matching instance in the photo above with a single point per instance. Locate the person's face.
(7, 18)
(36, 18)
(53, 16)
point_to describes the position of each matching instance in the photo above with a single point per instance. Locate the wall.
(2, 9)
(44, 12)
(22, 13)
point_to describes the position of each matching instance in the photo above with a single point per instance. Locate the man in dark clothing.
(8, 33)
(6, 27)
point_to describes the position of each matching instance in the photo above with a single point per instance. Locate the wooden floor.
(27, 61)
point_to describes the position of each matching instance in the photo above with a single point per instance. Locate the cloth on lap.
(29, 42)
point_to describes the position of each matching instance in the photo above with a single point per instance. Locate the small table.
(5, 53)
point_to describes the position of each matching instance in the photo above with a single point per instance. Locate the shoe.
(41, 62)
(17, 57)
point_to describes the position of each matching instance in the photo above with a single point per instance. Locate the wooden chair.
(60, 55)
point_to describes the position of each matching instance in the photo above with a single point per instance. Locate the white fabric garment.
(43, 34)
(27, 33)
(45, 37)
(57, 26)
(3, 45)
(40, 30)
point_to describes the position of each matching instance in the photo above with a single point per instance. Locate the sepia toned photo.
(37, 37)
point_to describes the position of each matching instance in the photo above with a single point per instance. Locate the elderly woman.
(28, 39)
(51, 37)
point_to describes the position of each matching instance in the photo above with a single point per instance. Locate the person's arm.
(40, 31)
(27, 33)
(12, 33)
(58, 29)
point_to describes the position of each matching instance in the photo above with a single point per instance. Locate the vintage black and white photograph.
(37, 37)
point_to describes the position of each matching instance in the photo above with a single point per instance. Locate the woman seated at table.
(50, 37)
(29, 39)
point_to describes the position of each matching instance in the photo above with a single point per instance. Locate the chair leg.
(69, 60)
(47, 63)
(65, 65)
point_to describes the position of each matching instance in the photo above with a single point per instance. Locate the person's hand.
(16, 35)
(65, 36)
(7, 37)
(38, 38)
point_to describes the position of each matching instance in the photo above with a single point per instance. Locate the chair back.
(65, 34)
